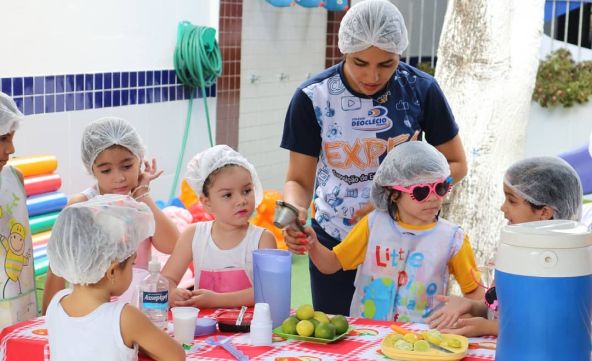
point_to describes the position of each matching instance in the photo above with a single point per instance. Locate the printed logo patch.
(376, 120)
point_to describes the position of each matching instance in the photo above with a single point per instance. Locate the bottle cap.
(154, 265)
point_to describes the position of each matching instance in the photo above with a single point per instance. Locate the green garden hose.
(198, 64)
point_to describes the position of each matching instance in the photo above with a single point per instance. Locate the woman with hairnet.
(535, 189)
(341, 123)
(113, 153)
(403, 251)
(18, 284)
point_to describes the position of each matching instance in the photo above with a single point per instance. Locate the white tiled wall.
(69, 37)
(275, 41)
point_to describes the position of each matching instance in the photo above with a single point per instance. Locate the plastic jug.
(272, 278)
(544, 286)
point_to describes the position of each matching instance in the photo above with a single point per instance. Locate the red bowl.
(227, 321)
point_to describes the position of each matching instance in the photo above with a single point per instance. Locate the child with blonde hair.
(113, 153)
(221, 250)
(17, 299)
(93, 246)
(535, 189)
(403, 251)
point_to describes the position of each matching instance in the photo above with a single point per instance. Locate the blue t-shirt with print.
(351, 133)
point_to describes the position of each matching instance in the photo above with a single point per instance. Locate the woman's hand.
(447, 316)
(299, 242)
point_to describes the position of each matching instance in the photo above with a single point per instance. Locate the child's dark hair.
(535, 207)
(391, 205)
(210, 179)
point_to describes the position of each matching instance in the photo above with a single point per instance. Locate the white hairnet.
(88, 236)
(373, 23)
(218, 156)
(405, 165)
(547, 181)
(106, 132)
(10, 115)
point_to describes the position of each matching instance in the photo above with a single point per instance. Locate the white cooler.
(544, 286)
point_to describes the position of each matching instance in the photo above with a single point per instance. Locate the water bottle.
(154, 295)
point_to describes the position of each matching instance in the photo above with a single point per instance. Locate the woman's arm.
(454, 152)
(300, 180)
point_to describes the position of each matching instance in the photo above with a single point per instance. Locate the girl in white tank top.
(221, 250)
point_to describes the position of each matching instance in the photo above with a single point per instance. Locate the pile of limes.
(310, 323)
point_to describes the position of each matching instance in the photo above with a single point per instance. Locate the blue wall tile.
(68, 92)
(17, 86)
(116, 80)
(106, 99)
(88, 82)
(50, 84)
(49, 103)
(39, 104)
(98, 100)
(107, 81)
(39, 85)
(60, 83)
(70, 83)
(69, 101)
(59, 102)
(28, 89)
(79, 82)
(28, 106)
(7, 86)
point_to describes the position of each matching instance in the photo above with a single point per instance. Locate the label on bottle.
(155, 300)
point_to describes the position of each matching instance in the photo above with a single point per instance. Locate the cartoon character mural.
(16, 256)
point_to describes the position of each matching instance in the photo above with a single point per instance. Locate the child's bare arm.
(53, 284)
(136, 328)
(323, 258)
(267, 240)
(179, 260)
(203, 298)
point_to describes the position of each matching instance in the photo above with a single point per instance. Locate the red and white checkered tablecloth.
(28, 341)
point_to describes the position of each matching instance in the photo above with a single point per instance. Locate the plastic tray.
(431, 355)
(278, 331)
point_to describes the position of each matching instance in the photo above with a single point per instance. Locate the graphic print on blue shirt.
(356, 132)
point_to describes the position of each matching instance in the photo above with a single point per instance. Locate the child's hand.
(201, 298)
(448, 315)
(149, 174)
(178, 296)
(299, 242)
(474, 326)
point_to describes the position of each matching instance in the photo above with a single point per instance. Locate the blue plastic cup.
(272, 278)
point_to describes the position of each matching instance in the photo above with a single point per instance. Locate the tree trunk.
(487, 62)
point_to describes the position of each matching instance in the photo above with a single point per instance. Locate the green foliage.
(426, 68)
(562, 81)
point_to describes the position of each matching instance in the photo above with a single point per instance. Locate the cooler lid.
(547, 234)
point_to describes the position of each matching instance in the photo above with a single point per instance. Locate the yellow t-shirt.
(351, 252)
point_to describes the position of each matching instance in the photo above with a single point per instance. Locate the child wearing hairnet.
(221, 250)
(342, 122)
(16, 247)
(403, 251)
(113, 152)
(93, 246)
(535, 189)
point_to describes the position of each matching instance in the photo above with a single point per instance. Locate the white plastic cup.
(262, 312)
(184, 319)
(261, 325)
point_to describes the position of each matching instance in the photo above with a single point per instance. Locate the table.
(28, 341)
